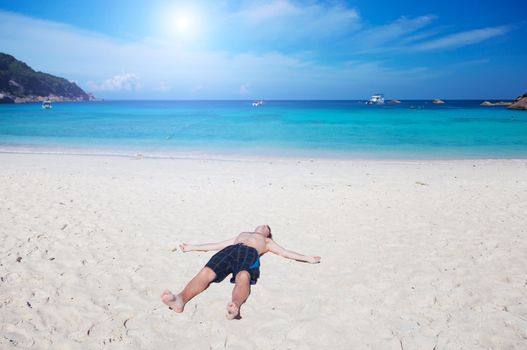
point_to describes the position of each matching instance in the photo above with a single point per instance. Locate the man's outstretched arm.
(185, 247)
(278, 250)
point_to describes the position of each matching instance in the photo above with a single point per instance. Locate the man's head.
(264, 230)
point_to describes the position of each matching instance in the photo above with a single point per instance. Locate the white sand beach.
(415, 254)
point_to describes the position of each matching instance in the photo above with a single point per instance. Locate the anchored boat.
(377, 99)
(46, 104)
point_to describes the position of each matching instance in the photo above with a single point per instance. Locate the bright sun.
(184, 23)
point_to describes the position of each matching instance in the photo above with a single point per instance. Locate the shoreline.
(248, 157)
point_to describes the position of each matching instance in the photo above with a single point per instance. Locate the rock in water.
(520, 103)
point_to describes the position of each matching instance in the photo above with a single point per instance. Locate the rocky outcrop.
(520, 103)
(500, 103)
(438, 101)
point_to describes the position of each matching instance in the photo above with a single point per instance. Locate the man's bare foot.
(233, 311)
(174, 302)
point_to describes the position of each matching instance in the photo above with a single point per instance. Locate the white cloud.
(258, 11)
(245, 89)
(164, 86)
(392, 37)
(462, 39)
(283, 22)
(197, 88)
(123, 82)
(394, 31)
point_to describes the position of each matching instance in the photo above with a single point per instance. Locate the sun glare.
(184, 24)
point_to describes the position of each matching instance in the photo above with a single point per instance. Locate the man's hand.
(185, 247)
(314, 259)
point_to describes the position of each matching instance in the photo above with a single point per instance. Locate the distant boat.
(377, 99)
(257, 103)
(47, 104)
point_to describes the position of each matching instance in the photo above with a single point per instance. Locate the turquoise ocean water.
(341, 129)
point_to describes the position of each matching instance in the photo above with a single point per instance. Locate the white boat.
(46, 104)
(257, 103)
(377, 99)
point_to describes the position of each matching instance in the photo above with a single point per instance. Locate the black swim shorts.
(233, 259)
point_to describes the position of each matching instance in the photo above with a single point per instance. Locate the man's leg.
(240, 293)
(197, 285)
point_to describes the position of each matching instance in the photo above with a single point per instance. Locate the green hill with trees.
(20, 83)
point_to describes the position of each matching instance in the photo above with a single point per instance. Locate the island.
(19, 83)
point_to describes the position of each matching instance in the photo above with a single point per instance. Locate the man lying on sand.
(241, 257)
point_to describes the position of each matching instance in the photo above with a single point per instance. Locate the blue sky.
(277, 49)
